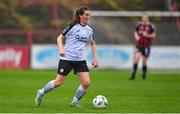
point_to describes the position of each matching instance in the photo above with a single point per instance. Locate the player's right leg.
(137, 57)
(64, 68)
(48, 87)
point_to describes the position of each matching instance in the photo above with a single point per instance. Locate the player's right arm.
(60, 40)
(136, 36)
(60, 45)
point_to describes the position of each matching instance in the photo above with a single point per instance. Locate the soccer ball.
(100, 101)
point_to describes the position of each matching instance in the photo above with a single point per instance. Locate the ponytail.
(78, 11)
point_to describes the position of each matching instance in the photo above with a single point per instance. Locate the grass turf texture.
(159, 93)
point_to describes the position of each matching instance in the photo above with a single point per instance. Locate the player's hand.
(95, 63)
(62, 53)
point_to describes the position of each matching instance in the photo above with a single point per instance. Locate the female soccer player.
(77, 35)
(143, 34)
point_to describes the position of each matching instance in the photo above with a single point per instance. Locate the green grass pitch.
(159, 93)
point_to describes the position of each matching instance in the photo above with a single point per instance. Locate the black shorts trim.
(65, 67)
(145, 51)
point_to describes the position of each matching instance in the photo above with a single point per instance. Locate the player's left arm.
(94, 52)
(152, 33)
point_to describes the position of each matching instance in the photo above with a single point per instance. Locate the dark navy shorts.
(66, 66)
(145, 51)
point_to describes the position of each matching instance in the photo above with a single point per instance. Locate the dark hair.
(145, 14)
(78, 11)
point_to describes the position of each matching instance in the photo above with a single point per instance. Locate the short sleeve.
(137, 27)
(66, 30)
(92, 36)
(152, 28)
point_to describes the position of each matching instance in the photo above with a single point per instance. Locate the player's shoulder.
(152, 25)
(90, 27)
(69, 26)
(67, 29)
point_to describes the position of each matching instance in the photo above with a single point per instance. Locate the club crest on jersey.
(61, 70)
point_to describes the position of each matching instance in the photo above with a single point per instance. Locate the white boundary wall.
(110, 56)
(167, 57)
(44, 56)
(135, 13)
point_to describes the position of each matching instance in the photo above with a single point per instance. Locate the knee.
(58, 82)
(86, 84)
(144, 63)
(137, 60)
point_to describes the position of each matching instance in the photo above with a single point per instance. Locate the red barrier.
(14, 57)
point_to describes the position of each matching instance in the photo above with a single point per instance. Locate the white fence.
(135, 13)
(109, 56)
(44, 56)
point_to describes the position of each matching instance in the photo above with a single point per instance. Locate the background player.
(77, 35)
(143, 34)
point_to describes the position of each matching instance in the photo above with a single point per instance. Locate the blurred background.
(28, 31)
(29, 56)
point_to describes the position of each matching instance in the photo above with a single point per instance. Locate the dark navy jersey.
(140, 29)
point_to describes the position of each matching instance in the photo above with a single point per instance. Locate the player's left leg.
(85, 81)
(144, 68)
(82, 71)
(146, 53)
